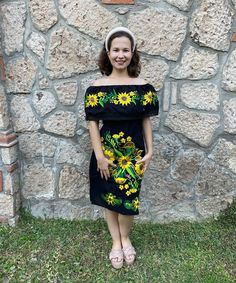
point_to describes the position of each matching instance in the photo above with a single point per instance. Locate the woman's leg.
(113, 226)
(125, 224)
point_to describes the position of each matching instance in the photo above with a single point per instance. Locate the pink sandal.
(129, 255)
(116, 257)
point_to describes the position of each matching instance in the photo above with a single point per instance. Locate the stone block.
(162, 32)
(67, 92)
(38, 181)
(37, 44)
(10, 154)
(43, 14)
(230, 115)
(44, 102)
(13, 26)
(6, 205)
(228, 78)
(61, 123)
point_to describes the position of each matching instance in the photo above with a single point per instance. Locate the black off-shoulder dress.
(121, 108)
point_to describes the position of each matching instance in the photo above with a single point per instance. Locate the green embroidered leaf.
(131, 172)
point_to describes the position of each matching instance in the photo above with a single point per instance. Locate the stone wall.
(188, 53)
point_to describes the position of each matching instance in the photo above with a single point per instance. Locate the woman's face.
(120, 53)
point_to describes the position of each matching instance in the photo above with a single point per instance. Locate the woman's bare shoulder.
(101, 81)
(140, 81)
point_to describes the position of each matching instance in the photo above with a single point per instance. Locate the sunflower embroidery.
(112, 199)
(124, 98)
(92, 100)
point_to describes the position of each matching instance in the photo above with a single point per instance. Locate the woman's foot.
(129, 255)
(128, 251)
(117, 258)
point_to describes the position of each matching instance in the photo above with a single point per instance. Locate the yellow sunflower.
(124, 98)
(120, 180)
(148, 97)
(100, 94)
(135, 203)
(109, 155)
(124, 162)
(139, 168)
(110, 199)
(92, 100)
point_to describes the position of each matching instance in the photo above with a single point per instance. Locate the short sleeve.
(93, 109)
(150, 102)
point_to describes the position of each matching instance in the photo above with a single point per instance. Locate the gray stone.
(6, 205)
(202, 96)
(88, 17)
(9, 154)
(164, 193)
(162, 32)
(72, 48)
(186, 165)
(12, 182)
(165, 148)
(38, 181)
(154, 71)
(43, 14)
(61, 123)
(22, 115)
(228, 78)
(69, 153)
(230, 116)
(211, 23)
(86, 82)
(215, 180)
(44, 102)
(196, 64)
(224, 153)
(198, 127)
(13, 20)
(212, 206)
(37, 145)
(72, 183)
(4, 117)
(43, 81)
(183, 5)
(20, 75)
(61, 209)
(37, 43)
(67, 92)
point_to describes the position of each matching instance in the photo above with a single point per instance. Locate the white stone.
(61, 123)
(198, 127)
(37, 145)
(183, 5)
(37, 43)
(224, 153)
(43, 13)
(12, 182)
(20, 75)
(44, 102)
(89, 17)
(22, 115)
(67, 92)
(70, 54)
(72, 183)
(196, 64)
(38, 181)
(211, 23)
(4, 116)
(9, 154)
(13, 26)
(230, 115)
(162, 32)
(202, 96)
(6, 205)
(229, 78)
(154, 71)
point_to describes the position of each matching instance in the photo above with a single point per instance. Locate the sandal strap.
(129, 251)
(116, 254)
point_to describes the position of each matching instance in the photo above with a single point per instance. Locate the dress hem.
(113, 209)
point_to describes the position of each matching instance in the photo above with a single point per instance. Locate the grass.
(76, 251)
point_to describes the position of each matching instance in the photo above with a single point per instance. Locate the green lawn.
(76, 251)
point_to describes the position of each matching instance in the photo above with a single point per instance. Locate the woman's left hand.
(146, 160)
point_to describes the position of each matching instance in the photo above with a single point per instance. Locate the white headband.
(117, 30)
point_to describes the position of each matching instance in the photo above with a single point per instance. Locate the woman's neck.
(119, 74)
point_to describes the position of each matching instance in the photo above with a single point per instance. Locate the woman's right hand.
(102, 165)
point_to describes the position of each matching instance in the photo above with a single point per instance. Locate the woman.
(123, 148)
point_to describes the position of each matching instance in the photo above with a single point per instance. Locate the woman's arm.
(102, 161)
(147, 132)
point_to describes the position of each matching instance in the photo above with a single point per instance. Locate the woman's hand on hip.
(103, 166)
(146, 161)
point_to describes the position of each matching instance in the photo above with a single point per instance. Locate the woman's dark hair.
(104, 63)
